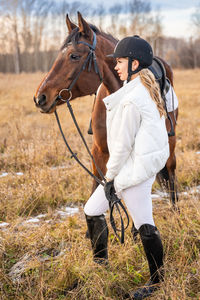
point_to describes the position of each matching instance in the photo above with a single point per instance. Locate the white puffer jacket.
(136, 135)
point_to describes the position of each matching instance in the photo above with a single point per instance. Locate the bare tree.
(154, 33)
(32, 31)
(115, 12)
(25, 20)
(100, 12)
(139, 12)
(195, 18)
(10, 8)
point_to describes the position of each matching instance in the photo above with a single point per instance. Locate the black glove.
(109, 190)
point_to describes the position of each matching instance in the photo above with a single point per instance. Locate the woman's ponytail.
(148, 80)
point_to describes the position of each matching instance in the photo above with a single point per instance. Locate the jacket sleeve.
(124, 143)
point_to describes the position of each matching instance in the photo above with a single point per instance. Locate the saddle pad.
(171, 100)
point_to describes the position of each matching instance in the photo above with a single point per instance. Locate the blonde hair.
(148, 80)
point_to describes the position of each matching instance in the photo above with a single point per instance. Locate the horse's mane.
(74, 36)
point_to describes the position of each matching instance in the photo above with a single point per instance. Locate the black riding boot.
(98, 233)
(153, 248)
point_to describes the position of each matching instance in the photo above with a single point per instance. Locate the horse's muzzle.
(40, 101)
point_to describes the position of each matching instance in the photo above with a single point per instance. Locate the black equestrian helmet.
(135, 48)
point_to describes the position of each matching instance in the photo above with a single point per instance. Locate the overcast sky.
(176, 14)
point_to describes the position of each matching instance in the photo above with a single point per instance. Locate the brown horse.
(68, 67)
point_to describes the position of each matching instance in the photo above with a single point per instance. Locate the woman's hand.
(109, 189)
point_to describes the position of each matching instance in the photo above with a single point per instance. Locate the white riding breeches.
(137, 199)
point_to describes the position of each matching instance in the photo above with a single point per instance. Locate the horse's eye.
(74, 57)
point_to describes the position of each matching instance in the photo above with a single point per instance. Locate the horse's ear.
(70, 25)
(84, 27)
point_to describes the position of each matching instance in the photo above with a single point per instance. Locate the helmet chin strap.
(130, 72)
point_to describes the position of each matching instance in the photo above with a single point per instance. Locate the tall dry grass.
(57, 257)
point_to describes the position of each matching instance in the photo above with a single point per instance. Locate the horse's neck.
(111, 84)
(111, 79)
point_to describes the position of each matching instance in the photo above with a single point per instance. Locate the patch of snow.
(162, 194)
(184, 193)
(58, 167)
(19, 173)
(195, 190)
(67, 211)
(41, 216)
(35, 221)
(4, 174)
(32, 220)
(71, 210)
(155, 196)
(4, 224)
(61, 213)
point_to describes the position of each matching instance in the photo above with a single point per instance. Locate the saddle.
(159, 72)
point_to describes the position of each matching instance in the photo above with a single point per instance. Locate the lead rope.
(74, 155)
(84, 141)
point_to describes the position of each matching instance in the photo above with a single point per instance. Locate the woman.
(138, 147)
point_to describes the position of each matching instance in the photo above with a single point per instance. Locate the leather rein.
(115, 202)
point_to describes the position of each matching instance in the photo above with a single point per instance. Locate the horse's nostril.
(42, 100)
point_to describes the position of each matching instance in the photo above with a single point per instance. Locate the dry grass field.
(38, 176)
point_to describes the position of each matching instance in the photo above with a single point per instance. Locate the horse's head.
(78, 69)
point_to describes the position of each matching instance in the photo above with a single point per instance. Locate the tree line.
(32, 31)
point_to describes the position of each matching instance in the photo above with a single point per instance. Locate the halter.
(115, 202)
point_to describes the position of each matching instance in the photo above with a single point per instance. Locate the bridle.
(115, 202)
(91, 57)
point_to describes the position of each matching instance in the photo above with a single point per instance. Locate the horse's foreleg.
(101, 159)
